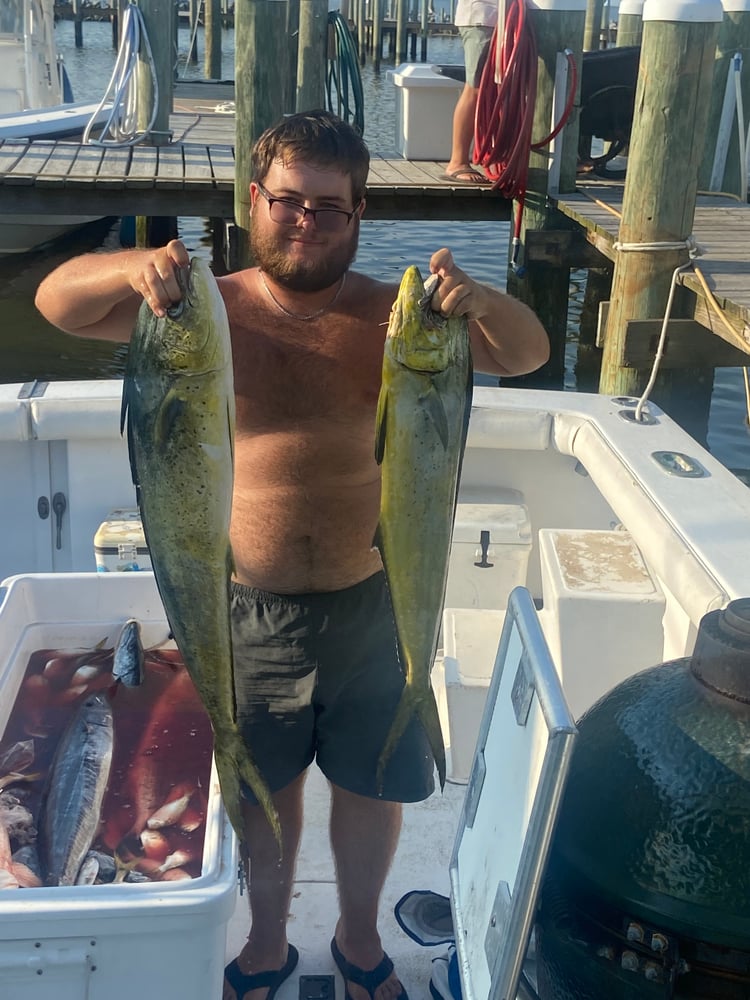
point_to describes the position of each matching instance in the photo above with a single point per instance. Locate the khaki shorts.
(317, 677)
(476, 40)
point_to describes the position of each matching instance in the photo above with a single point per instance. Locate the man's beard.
(303, 276)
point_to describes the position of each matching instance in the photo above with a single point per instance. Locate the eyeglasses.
(290, 213)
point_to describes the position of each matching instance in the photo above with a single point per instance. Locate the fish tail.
(229, 782)
(428, 715)
(252, 777)
(235, 767)
(401, 719)
(425, 708)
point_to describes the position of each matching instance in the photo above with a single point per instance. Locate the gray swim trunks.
(317, 676)
(476, 42)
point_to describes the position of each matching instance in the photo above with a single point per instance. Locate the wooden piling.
(734, 39)
(261, 72)
(77, 24)
(401, 33)
(311, 54)
(377, 33)
(542, 287)
(671, 110)
(630, 23)
(212, 41)
(156, 101)
(593, 25)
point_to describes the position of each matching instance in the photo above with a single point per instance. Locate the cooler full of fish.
(149, 919)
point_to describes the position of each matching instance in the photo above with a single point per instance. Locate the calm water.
(30, 348)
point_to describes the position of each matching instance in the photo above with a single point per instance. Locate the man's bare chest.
(281, 379)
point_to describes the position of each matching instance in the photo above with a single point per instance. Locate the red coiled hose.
(505, 111)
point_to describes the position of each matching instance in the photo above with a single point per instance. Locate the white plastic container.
(602, 613)
(107, 942)
(119, 543)
(425, 102)
(471, 638)
(483, 577)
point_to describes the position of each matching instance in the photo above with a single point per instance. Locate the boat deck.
(314, 910)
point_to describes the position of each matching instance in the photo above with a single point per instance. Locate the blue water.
(30, 348)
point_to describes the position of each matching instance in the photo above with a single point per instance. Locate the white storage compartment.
(425, 102)
(602, 614)
(117, 941)
(471, 638)
(489, 553)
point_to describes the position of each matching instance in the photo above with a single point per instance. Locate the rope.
(689, 244)
(662, 339)
(343, 73)
(505, 111)
(122, 122)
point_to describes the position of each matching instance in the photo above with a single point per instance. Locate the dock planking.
(194, 174)
(721, 227)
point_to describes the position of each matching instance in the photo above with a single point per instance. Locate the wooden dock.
(194, 176)
(721, 228)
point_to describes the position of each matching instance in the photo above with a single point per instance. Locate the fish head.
(184, 336)
(96, 710)
(418, 337)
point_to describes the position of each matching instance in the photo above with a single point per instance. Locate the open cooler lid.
(512, 800)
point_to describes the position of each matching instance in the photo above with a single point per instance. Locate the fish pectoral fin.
(380, 426)
(168, 416)
(433, 404)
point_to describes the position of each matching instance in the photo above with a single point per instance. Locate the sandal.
(465, 175)
(242, 984)
(369, 980)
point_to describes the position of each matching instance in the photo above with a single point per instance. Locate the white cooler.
(107, 942)
(425, 102)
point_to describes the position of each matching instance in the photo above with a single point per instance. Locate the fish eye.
(175, 310)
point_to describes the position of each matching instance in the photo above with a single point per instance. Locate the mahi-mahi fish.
(422, 420)
(178, 400)
(74, 793)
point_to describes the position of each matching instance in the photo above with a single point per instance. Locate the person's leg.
(270, 884)
(463, 131)
(364, 836)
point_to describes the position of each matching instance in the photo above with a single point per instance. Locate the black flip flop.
(242, 984)
(369, 980)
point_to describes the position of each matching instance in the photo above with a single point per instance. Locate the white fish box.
(107, 942)
(603, 611)
(489, 552)
(425, 101)
(471, 637)
(119, 543)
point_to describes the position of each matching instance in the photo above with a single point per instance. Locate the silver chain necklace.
(294, 315)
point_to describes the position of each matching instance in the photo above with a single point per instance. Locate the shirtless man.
(315, 664)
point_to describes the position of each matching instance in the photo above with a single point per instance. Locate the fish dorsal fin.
(436, 412)
(380, 426)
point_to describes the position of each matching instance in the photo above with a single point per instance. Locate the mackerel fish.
(178, 402)
(422, 421)
(74, 792)
(128, 660)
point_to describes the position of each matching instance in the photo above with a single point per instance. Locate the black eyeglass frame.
(270, 198)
